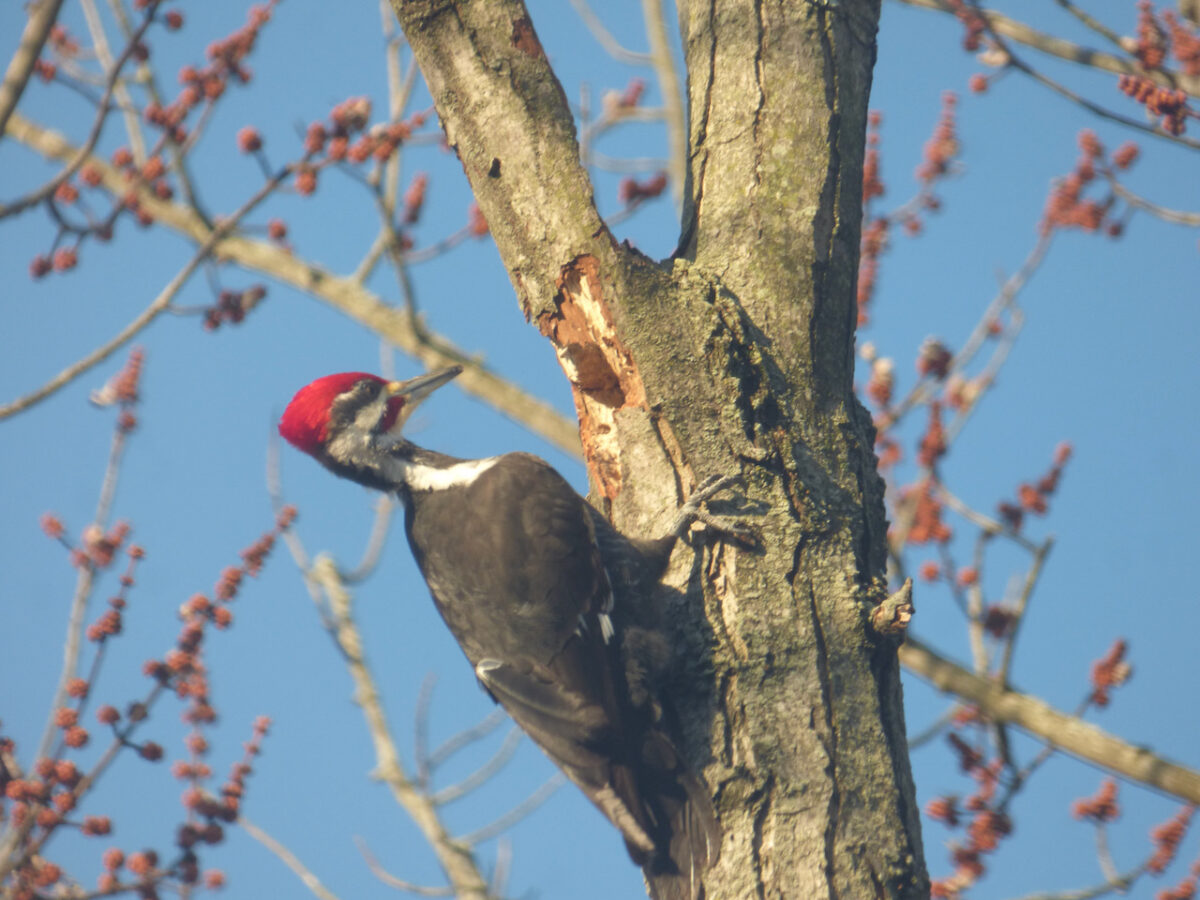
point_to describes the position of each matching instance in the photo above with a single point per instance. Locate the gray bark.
(736, 356)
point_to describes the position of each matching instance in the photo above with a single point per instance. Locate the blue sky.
(1106, 361)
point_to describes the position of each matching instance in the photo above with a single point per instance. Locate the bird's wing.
(577, 732)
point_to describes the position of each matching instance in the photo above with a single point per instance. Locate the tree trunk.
(736, 356)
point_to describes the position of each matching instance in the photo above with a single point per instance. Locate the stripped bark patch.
(525, 39)
(599, 366)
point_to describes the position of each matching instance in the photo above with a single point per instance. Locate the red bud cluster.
(943, 146)
(1167, 838)
(1185, 44)
(1108, 672)
(882, 382)
(973, 24)
(1152, 43)
(632, 192)
(874, 242)
(1169, 104)
(1100, 808)
(414, 198)
(988, 825)
(873, 185)
(933, 443)
(927, 524)
(232, 306)
(476, 224)
(933, 359)
(1034, 497)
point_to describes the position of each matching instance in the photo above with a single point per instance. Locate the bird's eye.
(370, 388)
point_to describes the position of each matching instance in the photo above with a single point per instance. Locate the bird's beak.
(417, 389)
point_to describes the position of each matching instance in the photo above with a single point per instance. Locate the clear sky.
(1107, 361)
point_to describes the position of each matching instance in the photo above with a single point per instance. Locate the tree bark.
(735, 356)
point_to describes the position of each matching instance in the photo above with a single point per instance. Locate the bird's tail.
(687, 834)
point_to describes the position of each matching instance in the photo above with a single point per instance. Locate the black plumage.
(541, 594)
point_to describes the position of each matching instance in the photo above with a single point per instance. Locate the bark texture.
(735, 356)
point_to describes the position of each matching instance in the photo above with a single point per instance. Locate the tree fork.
(738, 353)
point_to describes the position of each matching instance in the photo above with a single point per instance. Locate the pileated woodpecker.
(543, 596)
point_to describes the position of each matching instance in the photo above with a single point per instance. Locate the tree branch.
(455, 857)
(343, 293)
(1059, 730)
(37, 29)
(1063, 49)
(672, 96)
(289, 859)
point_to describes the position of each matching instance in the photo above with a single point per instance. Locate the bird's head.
(350, 421)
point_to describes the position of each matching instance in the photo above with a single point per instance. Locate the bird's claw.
(693, 510)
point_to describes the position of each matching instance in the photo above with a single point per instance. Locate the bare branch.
(125, 103)
(1117, 885)
(484, 773)
(1004, 300)
(385, 507)
(455, 857)
(1031, 579)
(288, 858)
(1063, 49)
(83, 593)
(37, 29)
(1061, 731)
(81, 155)
(392, 881)
(343, 293)
(467, 736)
(672, 96)
(517, 813)
(156, 308)
(1093, 23)
(1173, 216)
(610, 44)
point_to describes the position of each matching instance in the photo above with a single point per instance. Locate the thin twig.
(628, 166)
(1002, 302)
(15, 837)
(1063, 49)
(1119, 884)
(1108, 868)
(84, 583)
(521, 811)
(392, 881)
(604, 37)
(421, 728)
(288, 858)
(1093, 23)
(1098, 110)
(42, 17)
(466, 737)
(1031, 579)
(385, 507)
(674, 115)
(503, 866)
(342, 293)
(988, 524)
(133, 126)
(83, 152)
(933, 729)
(484, 773)
(1172, 216)
(151, 312)
(456, 859)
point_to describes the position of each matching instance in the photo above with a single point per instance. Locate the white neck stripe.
(419, 477)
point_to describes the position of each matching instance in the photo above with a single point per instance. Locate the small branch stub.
(891, 617)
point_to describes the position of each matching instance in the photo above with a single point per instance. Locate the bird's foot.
(693, 511)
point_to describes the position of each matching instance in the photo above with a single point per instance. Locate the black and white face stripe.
(361, 408)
